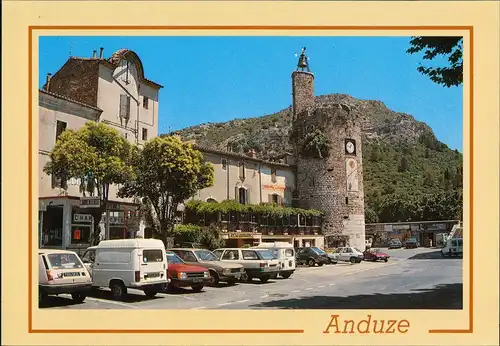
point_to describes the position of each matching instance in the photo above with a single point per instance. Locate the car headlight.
(182, 275)
(226, 271)
(206, 274)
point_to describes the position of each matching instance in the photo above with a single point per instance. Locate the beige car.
(219, 271)
(62, 272)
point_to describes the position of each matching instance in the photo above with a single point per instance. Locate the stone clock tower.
(328, 150)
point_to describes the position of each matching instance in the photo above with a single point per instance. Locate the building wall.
(112, 84)
(227, 181)
(52, 109)
(283, 186)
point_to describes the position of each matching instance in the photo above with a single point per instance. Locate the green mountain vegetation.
(408, 174)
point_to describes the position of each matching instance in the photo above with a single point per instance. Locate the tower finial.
(303, 63)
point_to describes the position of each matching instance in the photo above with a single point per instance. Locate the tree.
(167, 172)
(403, 165)
(97, 155)
(449, 47)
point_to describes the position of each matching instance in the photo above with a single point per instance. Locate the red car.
(185, 275)
(375, 255)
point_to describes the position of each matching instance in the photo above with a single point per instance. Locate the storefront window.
(244, 217)
(52, 226)
(302, 220)
(80, 234)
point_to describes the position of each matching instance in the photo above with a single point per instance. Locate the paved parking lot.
(412, 279)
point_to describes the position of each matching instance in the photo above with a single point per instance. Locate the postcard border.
(31, 29)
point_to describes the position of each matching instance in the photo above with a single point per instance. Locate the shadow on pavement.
(131, 297)
(56, 301)
(433, 255)
(446, 297)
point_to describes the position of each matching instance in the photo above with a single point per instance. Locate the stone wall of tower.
(323, 183)
(302, 91)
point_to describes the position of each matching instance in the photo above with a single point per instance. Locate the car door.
(300, 255)
(218, 253)
(343, 254)
(231, 255)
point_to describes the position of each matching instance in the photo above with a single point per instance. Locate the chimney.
(47, 82)
(101, 52)
(95, 54)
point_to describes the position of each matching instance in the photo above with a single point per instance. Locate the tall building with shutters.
(110, 90)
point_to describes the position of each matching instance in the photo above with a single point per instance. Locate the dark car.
(411, 243)
(311, 256)
(395, 244)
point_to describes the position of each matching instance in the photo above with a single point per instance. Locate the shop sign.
(114, 220)
(274, 187)
(82, 218)
(234, 235)
(90, 202)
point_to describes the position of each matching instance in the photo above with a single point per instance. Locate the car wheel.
(244, 277)
(386, 259)
(42, 297)
(197, 288)
(353, 260)
(215, 277)
(320, 264)
(78, 297)
(311, 262)
(286, 275)
(150, 292)
(264, 279)
(118, 290)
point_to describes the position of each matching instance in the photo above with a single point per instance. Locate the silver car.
(219, 271)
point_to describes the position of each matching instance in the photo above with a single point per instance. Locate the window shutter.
(269, 198)
(280, 200)
(125, 106)
(236, 194)
(247, 196)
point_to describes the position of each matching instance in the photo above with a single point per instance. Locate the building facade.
(113, 91)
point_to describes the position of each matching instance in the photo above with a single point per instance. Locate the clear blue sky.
(213, 79)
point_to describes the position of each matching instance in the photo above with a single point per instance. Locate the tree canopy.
(433, 47)
(97, 155)
(167, 172)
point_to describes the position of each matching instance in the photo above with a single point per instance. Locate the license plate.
(71, 274)
(153, 275)
(197, 280)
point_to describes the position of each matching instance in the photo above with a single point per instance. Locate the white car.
(128, 263)
(261, 264)
(285, 253)
(349, 254)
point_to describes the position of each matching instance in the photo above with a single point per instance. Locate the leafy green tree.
(449, 47)
(97, 155)
(403, 164)
(167, 172)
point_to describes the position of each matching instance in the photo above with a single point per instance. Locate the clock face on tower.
(350, 146)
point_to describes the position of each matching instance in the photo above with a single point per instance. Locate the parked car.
(375, 255)
(285, 253)
(412, 243)
(311, 256)
(189, 245)
(128, 263)
(220, 271)
(60, 272)
(453, 247)
(182, 274)
(395, 244)
(349, 254)
(258, 263)
(333, 257)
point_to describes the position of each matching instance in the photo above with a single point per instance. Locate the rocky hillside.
(403, 160)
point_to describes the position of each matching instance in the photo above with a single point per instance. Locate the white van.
(453, 247)
(285, 253)
(128, 263)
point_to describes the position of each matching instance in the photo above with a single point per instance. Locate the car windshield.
(205, 255)
(66, 260)
(266, 254)
(411, 241)
(318, 251)
(172, 258)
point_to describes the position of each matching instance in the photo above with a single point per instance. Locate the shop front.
(68, 223)
(241, 239)
(309, 241)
